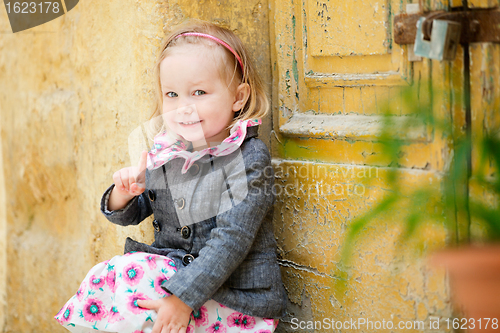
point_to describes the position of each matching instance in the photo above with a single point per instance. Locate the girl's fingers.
(163, 329)
(141, 169)
(134, 189)
(181, 329)
(123, 178)
(140, 182)
(137, 186)
(147, 304)
(163, 324)
(118, 180)
(143, 161)
(156, 328)
(132, 178)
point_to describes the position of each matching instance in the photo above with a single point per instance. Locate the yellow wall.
(3, 243)
(71, 91)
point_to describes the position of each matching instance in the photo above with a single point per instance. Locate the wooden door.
(334, 65)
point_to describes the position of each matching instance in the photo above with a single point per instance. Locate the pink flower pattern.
(270, 321)
(109, 302)
(111, 280)
(66, 314)
(132, 274)
(132, 302)
(158, 283)
(169, 262)
(114, 316)
(93, 310)
(151, 260)
(238, 319)
(201, 316)
(80, 292)
(96, 282)
(216, 327)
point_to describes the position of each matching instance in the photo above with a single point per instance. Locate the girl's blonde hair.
(257, 105)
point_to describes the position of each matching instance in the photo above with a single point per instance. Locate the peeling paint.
(355, 127)
(289, 263)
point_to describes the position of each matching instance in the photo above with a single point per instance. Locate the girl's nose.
(186, 109)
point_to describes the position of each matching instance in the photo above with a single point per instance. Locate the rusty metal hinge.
(478, 25)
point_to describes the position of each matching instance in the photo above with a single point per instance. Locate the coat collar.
(252, 132)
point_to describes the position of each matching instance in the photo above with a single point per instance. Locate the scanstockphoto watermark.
(282, 179)
(434, 323)
(355, 324)
(318, 180)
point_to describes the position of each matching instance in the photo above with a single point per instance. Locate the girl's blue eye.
(171, 94)
(199, 92)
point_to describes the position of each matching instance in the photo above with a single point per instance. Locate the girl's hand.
(173, 314)
(129, 182)
(132, 180)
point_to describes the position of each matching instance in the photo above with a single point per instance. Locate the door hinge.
(477, 25)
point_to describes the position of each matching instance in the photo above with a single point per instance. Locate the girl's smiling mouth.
(188, 123)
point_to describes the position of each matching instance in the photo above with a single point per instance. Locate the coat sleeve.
(133, 213)
(235, 230)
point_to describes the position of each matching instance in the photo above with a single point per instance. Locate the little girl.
(208, 181)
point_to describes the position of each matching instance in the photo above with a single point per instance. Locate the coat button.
(185, 231)
(156, 225)
(180, 203)
(152, 195)
(187, 259)
(194, 169)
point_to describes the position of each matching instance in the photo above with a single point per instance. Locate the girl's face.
(197, 103)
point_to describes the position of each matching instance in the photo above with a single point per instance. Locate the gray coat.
(215, 221)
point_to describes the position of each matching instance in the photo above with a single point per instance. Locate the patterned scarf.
(165, 148)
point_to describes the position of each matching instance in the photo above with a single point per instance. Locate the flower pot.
(474, 274)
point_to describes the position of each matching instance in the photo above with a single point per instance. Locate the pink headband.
(199, 34)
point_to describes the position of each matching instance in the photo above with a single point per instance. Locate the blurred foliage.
(453, 200)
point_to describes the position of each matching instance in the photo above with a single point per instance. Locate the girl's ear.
(241, 96)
